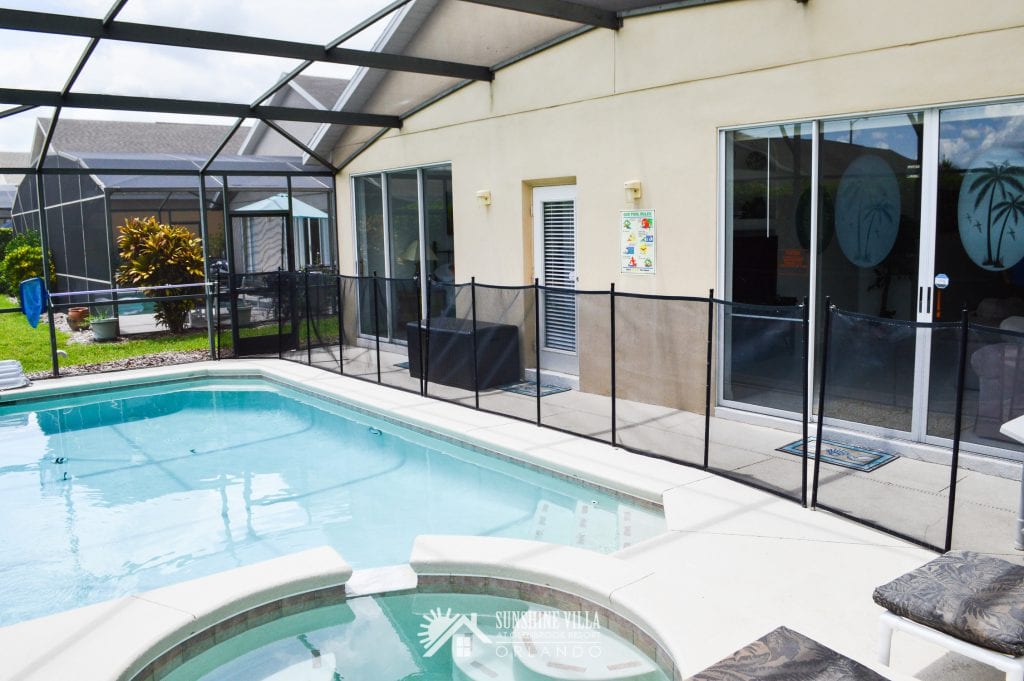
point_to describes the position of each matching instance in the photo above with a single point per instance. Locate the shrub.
(6, 237)
(22, 262)
(155, 254)
(30, 238)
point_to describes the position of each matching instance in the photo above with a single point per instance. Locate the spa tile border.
(554, 598)
(202, 641)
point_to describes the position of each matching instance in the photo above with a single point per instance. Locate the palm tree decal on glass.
(1010, 209)
(867, 211)
(992, 209)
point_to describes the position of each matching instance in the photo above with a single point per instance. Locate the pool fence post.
(44, 242)
(426, 352)
(536, 335)
(426, 343)
(309, 314)
(954, 466)
(341, 325)
(476, 371)
(707, 378)
(419, 335)
(611, 333)
(204, 236)
(826, 337)
(216, 306)
(805, 356)
(376, 322)
(280, 314)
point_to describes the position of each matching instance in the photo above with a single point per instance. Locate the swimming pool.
(427, 637)
(113, 493)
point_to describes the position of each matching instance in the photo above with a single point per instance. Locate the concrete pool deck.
(734, 564)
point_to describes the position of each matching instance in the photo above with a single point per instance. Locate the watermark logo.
(523, 633)
(439, 627)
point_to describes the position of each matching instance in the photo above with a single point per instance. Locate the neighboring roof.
(87, 135)
(98, 162)
(7, 194)
(325, 91)
(278, 203)
(12, 159)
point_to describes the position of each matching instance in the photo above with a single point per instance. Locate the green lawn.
(31, 346)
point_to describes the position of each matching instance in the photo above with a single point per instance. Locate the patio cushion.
(785, 655)
(970, 596)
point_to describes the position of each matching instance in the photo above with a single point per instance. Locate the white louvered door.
(554, 216)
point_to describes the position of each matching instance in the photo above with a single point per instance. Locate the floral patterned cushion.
(785, 655)
(971, 596)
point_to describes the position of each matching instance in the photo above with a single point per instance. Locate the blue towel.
(32, 293)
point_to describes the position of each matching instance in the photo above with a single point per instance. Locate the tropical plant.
(22, 261)
(29, 238)
(155, 254)
(6, 237)
(997, 177)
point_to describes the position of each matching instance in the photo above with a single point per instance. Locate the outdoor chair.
(786, 655)
(970, 603)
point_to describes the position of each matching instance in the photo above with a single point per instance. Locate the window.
(404, 235)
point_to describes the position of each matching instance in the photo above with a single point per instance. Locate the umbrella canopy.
(278, 203)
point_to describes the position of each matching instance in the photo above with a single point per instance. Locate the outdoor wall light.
(634, 191)
(483, 197)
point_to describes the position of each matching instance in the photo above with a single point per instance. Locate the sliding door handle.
(928, 300)
(920, 298)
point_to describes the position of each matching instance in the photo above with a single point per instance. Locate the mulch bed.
(158, 359)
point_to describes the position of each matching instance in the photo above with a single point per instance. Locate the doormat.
(400, 365)
(529, 388)
(839, 454)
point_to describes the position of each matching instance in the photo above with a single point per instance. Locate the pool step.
(637, 524)
(551, 646)
(552, 523)
(588, 526)
(595, 528)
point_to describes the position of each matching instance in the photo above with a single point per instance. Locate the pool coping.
(116, 639)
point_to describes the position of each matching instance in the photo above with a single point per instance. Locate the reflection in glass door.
(404, 234)
(768, 237)
(869, 252)
(918, 216)
(979, 266)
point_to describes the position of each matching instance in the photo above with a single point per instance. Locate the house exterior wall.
(646, 103)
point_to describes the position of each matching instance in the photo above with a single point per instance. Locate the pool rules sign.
(637, 243)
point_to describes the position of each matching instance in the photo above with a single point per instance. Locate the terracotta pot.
(77, 317)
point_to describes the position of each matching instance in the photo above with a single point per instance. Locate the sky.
(43, 61)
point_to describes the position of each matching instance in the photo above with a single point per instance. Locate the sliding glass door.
(979, 267)
(916, 216)
(404, 235)
(868, 262)
(768, 239)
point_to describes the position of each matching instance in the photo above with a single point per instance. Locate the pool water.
(114, 493)
(420, 637)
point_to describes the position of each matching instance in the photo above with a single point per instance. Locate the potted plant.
(78, 318)
(104, 327)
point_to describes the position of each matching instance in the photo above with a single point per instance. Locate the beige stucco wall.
(646, 103)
